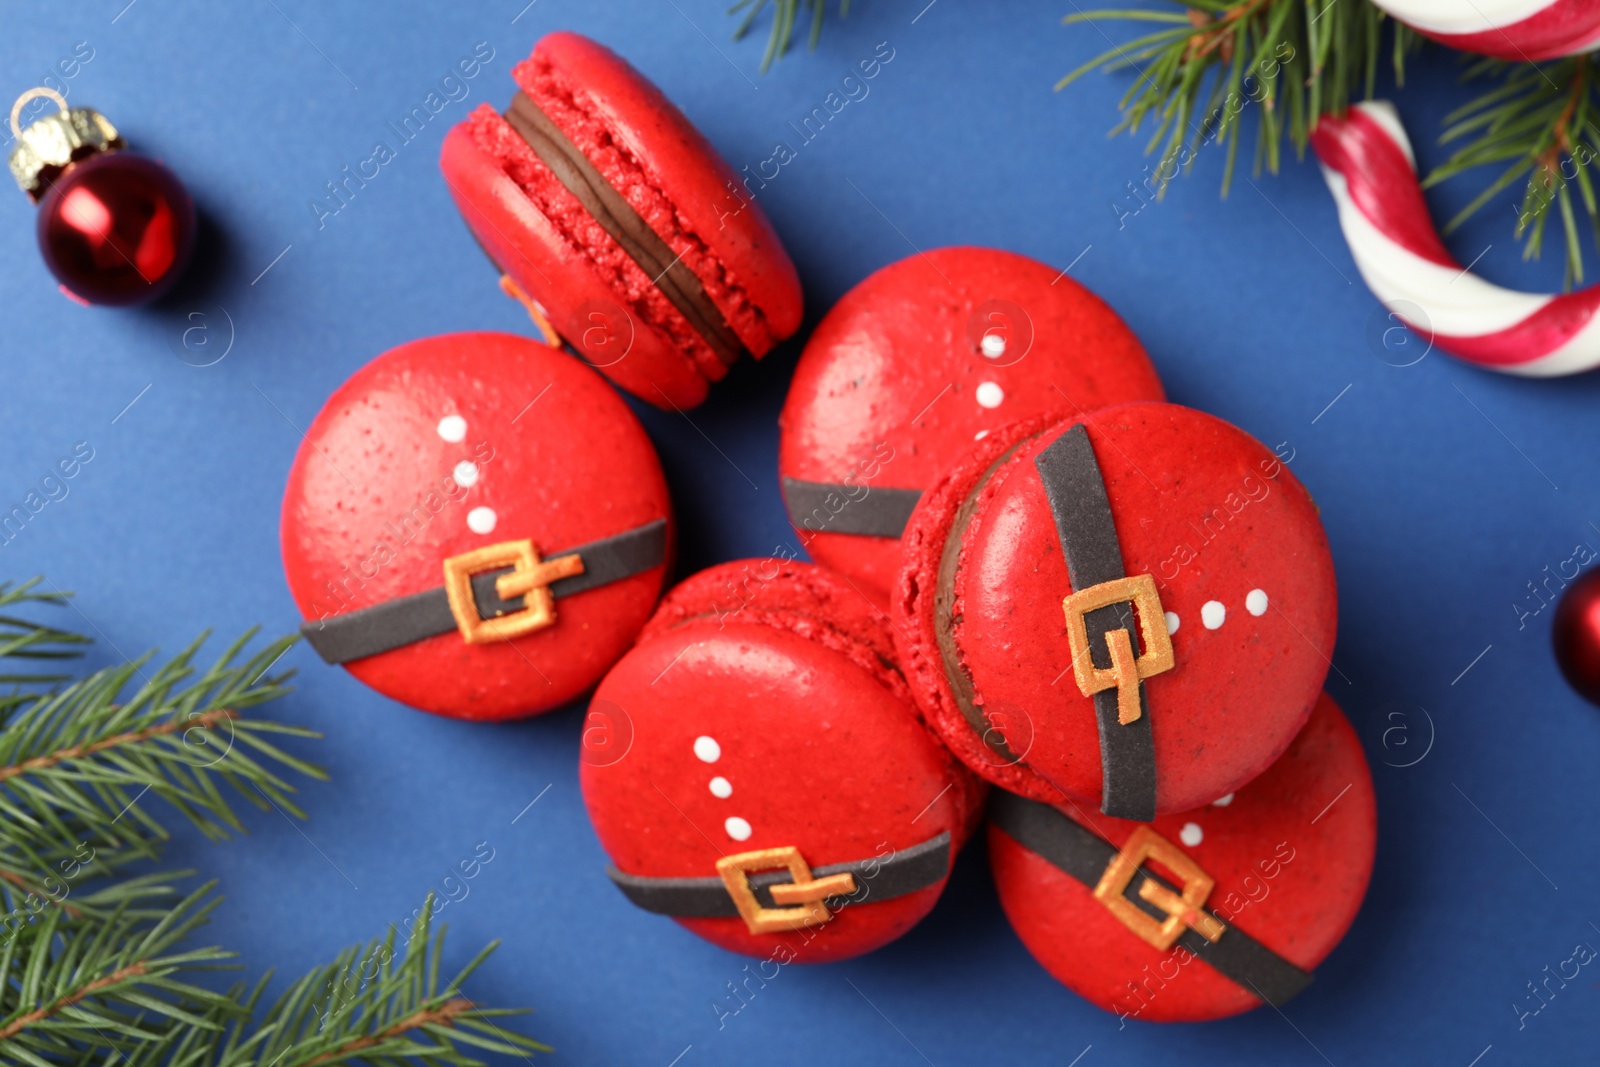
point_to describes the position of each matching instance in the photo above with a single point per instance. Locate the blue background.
(1445, 490)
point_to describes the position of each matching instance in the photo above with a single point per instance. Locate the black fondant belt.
(1107, 660)
(1155, 910)
(493, 593)
(822, 507)
(773, 889)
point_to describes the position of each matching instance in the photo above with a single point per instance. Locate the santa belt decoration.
(823, 507)
(1107, 661)
(774, 890)
(494, 593)
(1152, 908)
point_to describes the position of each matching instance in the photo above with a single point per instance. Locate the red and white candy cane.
(1523, 30)
(1372, 174)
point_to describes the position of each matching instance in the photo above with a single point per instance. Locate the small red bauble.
(1575, 634)
(114, 227)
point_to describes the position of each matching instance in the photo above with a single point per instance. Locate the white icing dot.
(721, 787)
(482, 520)
(980, 435)
(1172, 622)
(1190, 834)
(1212, 613)
(453, 428)
(1222, 802)
(737, 828)
(990, 395)
(994, 346)
(707, 749)
(1255, 602)
(466, 474)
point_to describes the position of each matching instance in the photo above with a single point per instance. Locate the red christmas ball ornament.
(115, 227)
(1575, 633)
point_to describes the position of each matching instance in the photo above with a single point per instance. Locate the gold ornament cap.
(51, 144)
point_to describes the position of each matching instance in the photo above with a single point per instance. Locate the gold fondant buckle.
(1185, 910)
(800, 902)
(1126, 670)
(530, 580)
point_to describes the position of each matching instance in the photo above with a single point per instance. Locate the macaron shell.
(915, 617)
(894, 384)
(527, 246)
(374, 506)
(1291, 853)
(807, 747)
(820, 606)
(709, 204)
(778, 587)
(1240, 560)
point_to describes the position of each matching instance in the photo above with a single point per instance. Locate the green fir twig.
(374, 1004)
(1540, 124)
(1209, 62)
(77, 762)
(785, 17)
(123, 986)
(111, 984)
(94, 966)
(28, 641)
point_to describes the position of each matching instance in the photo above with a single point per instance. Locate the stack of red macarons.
(1032, 573)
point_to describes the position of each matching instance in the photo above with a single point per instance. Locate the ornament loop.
(33, 94)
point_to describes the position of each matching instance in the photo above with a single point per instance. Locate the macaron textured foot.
(767, 726)
(476, 525)
(1204, 913)
(1148, 527)
(914, 364)
(605, 205)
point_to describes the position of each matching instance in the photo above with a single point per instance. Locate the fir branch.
(75, 763)
(74, 990)
(203, 721)
(371, 1005)
(116, 979)
(28, 895)
(445, 1015)
(785, 16)
(28, 891)
(24, 639)
(93, 972)
(1542, 124)
(110, 983)
(1211, 60)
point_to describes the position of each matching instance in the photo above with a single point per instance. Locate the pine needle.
(1540, 124)
(377, 1003)
(785, 16)
(112, 984)
(1288, 61)
(77, 762)
(94, 966)
(26, 640)
(1293, 61)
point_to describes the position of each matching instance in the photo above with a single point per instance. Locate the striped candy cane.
(1510, 29)
(1372, 174)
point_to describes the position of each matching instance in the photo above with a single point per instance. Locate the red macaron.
(475, 525)
(603, 204)
(1201, 914)
(1131, 609)
(916, 362)
(760, 734)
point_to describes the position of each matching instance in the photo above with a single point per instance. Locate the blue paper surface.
(1445, 492)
